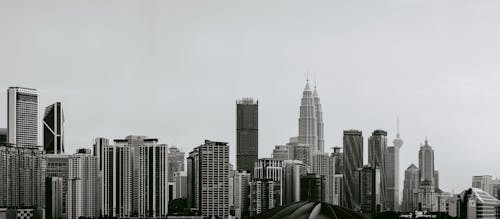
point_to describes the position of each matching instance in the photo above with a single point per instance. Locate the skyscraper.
(319, 122)
(410, 189)
(352, 161)
(208, 178)
(53, 197)
(369, 190)
(117, 181)
(175, 161)
(377, 151)
(312, 187)
(324, 165)
(98, 151)
(82, 178)
(53, 129)
(22, 116)
(247, 133)
(241, 194)
(265, 187)
(290, 180)
(426, 162)
(308, 123)
(57, 166)
(22, 177)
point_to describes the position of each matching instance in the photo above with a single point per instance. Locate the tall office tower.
(484, 183)
(338, 189)
(352, 161)
(339, 162)
(22, 116)
(153, 179)
(117, 181)
(410, 189)
(308, 123)
(427, 197)
(324, 165)
(290, 182)
(280, 152)
(82, 177)
(133, 142)
(312, 187)
(436, 179)
(241, 194)
(426, 162)
(247, 133)
(53, 197)
(3, 136)
(392, 192)
(208, 178)
(319, 121)
(53, 129)
(22, 177)
(180, 182)
(57, 166)
(175, 162)
(98, 151)
(377, 151)
(369, 190)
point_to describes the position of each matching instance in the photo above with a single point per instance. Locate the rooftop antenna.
(397, 135)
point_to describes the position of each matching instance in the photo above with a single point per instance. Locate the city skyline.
(431, 98)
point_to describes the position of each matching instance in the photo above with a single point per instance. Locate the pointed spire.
(307, 88)
(397, 135)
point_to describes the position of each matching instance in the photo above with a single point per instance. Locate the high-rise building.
(290, 182)
(208, 179)
(370, 190)
(312, 187)
(57, 166)
(180, 182)
(247, 133)
(324, 165)
(175, 162)
(153, 179)
(22, 177)
(3, 136)
(22, 116)
(99, 144)
(484, 183)
(298, 151)
(319, 121)
(241, 194)
(117, 181)
(265, 187)
(339, 162)
(427, 198)
(129, 189)
(352, 161)
(82, 178)
(308, 123)
(53, 197)
(410, 188)
(377, 151)
(53, 129)
(426, 162)
(280, 152)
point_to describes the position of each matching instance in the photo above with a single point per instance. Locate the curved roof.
(310, 210)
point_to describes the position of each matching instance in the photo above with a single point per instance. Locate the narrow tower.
(307, 120)
(319, 121)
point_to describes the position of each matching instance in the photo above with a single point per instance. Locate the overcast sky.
(174, 69)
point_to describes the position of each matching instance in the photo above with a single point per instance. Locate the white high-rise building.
(324, 165)
(319, 122)
(117, 181)
(208, 179)
(22, 116)
(241, 194)
(82, 177)
(99, 144)
(426, 162)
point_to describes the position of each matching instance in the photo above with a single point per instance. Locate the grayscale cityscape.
(249, 110)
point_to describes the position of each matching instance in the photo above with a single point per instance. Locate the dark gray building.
(353, 160)
(312, 187)
(53, 129)
(369, 190)
(3, 135)
(377, 151)
(247, 133)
